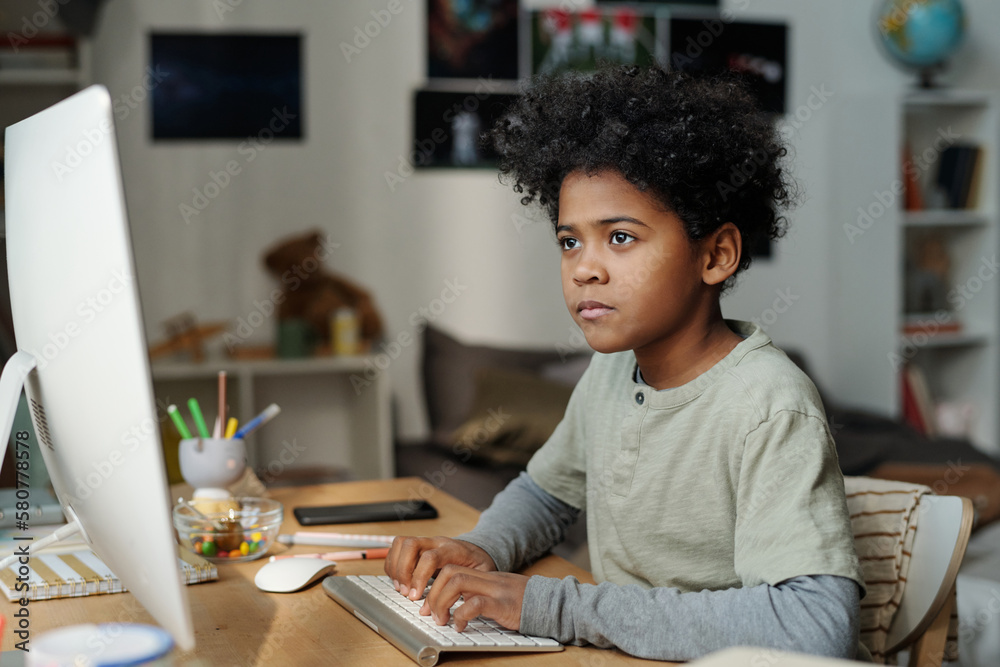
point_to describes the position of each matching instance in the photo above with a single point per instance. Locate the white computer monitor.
(78, 323)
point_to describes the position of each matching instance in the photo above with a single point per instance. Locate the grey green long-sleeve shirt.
(809, 614)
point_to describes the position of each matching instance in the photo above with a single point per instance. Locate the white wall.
(444, 225)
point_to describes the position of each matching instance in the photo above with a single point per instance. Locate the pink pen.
(366, 554)
(336, 539)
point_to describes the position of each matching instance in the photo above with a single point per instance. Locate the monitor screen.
(230, 86)
(81, 350)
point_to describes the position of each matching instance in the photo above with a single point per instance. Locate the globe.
(921, 34)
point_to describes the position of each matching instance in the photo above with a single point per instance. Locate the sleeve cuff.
(542, 608)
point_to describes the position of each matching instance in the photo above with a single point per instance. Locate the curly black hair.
(699, 146)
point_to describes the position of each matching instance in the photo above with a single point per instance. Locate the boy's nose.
(589, 270)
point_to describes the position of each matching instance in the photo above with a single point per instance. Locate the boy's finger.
(451, 583)
(427, 566)
(389, 567)
(474, 605)
(406, 559)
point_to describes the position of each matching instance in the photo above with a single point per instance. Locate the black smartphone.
(398, 510)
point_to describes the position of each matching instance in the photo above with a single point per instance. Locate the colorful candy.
(224, 544)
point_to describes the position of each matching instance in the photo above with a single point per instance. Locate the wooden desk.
(237, 625)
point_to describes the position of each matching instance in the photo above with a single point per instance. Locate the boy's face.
(631, 277)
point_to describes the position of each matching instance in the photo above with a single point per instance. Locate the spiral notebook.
(80, 572)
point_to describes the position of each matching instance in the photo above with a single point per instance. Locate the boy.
(715, 505)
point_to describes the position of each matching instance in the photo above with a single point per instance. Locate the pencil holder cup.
(212, 464)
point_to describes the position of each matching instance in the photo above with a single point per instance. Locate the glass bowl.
(243, 531)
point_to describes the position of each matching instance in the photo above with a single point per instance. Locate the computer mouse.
(287, 575)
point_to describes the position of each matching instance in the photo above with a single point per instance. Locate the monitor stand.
(12, 380)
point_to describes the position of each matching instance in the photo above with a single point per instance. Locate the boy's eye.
(568, 243)
(621, 238)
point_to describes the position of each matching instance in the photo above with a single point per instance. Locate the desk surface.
(237, 624)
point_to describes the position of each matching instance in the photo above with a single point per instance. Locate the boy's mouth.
(592, 310)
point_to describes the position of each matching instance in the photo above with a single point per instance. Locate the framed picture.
(557, 39)
(469, 39)
(711, 46)
(227, 86)
(448, 127)
(671, 4)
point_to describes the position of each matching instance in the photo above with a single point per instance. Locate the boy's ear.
(722, 250)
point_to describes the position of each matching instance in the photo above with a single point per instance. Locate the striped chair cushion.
(884, 524)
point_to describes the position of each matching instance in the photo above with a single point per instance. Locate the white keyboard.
(375, 602)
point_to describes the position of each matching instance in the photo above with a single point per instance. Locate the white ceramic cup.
(212, 463)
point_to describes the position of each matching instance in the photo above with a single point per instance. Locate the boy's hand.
(496, 595)
(412, 561)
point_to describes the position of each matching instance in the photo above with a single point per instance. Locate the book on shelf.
(80, 572)
(918, 406)
(43, 51)
(913, 196)
(958, 170)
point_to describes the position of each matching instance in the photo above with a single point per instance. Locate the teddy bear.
(313, 294)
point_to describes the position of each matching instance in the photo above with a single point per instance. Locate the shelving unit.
(880, 273)
(25, 91)
(335, 411)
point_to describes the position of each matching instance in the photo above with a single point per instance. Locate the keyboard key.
(480, 640)
(545, 641)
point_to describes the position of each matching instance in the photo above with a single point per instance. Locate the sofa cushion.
(513, 414)
(449, 375)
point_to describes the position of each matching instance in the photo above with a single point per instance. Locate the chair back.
(939, 546)
(910, 544)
